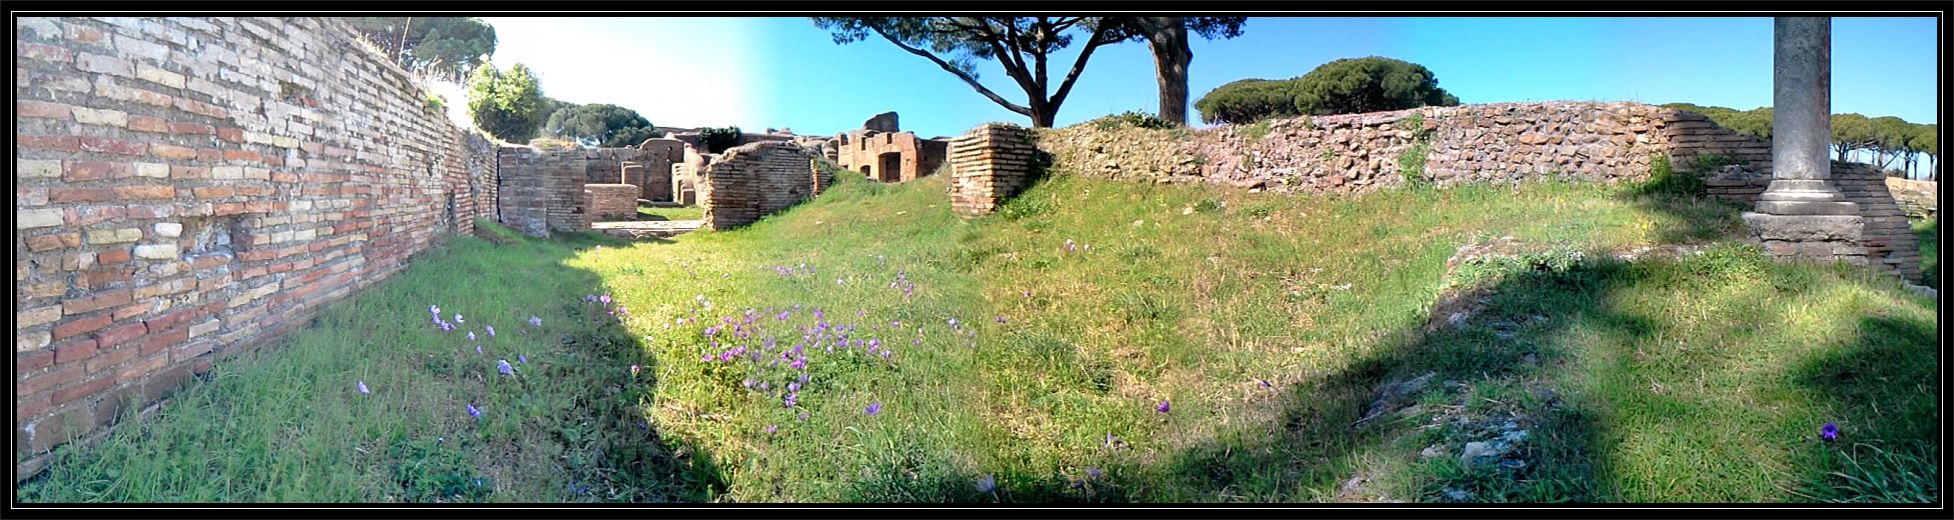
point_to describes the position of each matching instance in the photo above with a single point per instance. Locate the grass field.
(1095, 341)
(684, 213)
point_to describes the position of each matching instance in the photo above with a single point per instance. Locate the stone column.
(1802, 215)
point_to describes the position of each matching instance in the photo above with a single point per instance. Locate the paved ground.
(647, 228)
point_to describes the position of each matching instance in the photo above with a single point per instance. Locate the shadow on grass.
(1561, 355)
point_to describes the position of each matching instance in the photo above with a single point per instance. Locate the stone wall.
(189, 187)
(612, 201)
(991, 163)
(1918, 199)
(542, 191)
(754, 180)
(1499, 142)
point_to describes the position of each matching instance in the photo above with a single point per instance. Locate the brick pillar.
(989, 164)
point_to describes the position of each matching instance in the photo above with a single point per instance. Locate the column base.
(1810, 238)
(1805, 207)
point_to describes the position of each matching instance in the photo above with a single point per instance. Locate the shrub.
(1411, 161)
(1255, 131)
(1664, 179)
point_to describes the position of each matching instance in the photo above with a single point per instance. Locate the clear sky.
(785, 73)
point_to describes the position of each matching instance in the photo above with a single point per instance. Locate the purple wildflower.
(471, 335)
(789, 401)
(802, 379)
(478, 349)
(1162, 407)
(1265, 383)
(986, 484)
(635, 369)
(433, 309)
(794, 386)
(473, 411)
(1000, 319)
(1829, 432)
(535, 321)
(605, 299)
(491, 330)
(802, 416)
(747, 383)
(522, 359)
(873, 408)
(953, 323)
(502, 365)
(458, 318)
(763, 385)
(771, 428)
(361, 385)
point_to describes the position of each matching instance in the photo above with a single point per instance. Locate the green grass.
(683, 213)
(1699, 379)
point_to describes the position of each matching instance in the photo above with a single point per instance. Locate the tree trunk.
(1167, 35)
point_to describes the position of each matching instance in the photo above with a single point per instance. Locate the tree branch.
(1014, 107)
(1079, 65)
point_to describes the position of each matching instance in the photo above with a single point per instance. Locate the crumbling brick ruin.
(884, 153)
(991, 163)
(753, 180)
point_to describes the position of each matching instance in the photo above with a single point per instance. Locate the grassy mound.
(1094, 341)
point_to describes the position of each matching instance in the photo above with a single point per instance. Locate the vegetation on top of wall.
(1132, 118)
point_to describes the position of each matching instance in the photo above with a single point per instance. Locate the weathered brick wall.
(542, 192)
(188, 187)
(991, 163)
(1500, 142)
(754, 180)
(612, 201)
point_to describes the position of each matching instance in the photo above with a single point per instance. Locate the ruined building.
(884, 153)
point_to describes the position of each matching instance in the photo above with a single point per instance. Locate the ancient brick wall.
(188, 187)
(542, 192)
(612, 201)
(754, 180)
(989, 164)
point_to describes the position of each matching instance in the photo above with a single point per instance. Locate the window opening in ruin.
(891, 166)
(866, 170)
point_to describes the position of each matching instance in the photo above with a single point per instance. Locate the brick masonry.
(612, 201)
(188, 187)
(753, 180)
(652, 171)
(991, 163)
(542, 192)
(1884, 240)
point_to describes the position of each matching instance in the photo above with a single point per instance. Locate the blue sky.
(784, 72)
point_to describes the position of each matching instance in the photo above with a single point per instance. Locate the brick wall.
(542, 192)
(754, 180)
(188, 187)
(612, 201)
(870, 153)
(989, 164)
